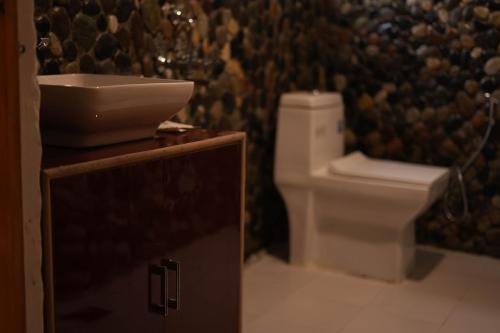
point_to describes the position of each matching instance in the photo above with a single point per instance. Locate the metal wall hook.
(43, 43)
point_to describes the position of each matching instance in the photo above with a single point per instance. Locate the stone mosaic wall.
(412, 74)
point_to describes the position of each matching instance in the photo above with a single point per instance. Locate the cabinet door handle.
(174, 303)
(158, 308)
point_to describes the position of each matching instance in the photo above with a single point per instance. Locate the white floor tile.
(454, 286)
(298, 315)
(341, 287)
(491, 269)
(459, 294)
(471, 318)
(417, 304)
(431, 299)
(378, 321)
(484, 293)
(463, 264)
(250, 316)
(267, 283)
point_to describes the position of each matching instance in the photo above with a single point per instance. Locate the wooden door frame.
(12, 287)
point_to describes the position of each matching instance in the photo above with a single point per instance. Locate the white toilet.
(350, 213)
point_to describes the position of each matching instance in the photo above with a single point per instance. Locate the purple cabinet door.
(115, 230)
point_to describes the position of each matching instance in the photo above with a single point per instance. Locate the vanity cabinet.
(145, 236)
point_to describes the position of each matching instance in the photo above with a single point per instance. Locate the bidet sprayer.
(457, 172)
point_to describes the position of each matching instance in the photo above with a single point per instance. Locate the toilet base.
(367, 251)
(371, 238)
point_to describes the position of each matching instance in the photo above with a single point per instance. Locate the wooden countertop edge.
(137, 157)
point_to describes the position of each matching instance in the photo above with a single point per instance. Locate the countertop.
(60, 156)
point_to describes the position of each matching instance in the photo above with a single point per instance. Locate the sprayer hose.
(457, 172)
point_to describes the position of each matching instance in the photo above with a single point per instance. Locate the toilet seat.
(358, 165)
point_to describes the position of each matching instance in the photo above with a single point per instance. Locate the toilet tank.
(310, 133)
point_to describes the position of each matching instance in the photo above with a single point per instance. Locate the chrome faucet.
(179, 54)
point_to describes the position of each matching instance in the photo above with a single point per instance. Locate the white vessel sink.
(85, 110)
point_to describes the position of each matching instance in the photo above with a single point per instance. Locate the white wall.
(31, 151)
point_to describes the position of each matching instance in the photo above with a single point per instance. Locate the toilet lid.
(358, 165)
(310, 100)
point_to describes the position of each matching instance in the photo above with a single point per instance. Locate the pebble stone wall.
(413, 75)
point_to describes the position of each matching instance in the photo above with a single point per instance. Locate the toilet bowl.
(350, 213)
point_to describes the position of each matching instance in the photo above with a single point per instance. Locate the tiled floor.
(449, 292)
